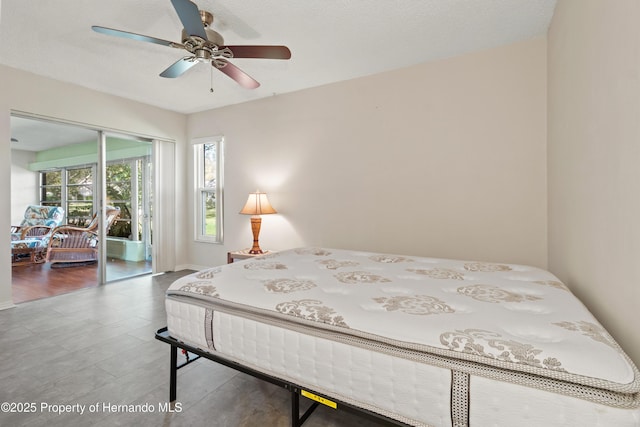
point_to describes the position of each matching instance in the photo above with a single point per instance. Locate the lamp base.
(255, 229)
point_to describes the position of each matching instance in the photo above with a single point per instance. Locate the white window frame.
(201, 190)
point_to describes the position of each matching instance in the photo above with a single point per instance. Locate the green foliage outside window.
(51, 188)
(209, 192)
(79, 195)
(210, 214)
(208, 161)
(119, 195)
(80, 189)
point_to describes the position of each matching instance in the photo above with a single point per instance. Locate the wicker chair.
(36, 215)
(72, 244)
(31, 237)
(112, 214)
(69, 244)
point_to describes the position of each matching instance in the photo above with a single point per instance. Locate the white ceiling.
(37, 135)
(330, 40)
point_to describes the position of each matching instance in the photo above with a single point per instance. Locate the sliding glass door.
(128, 189)
(103, 181)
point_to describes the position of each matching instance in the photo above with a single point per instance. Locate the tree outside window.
(74, 189)
(79, 195)
(51, 188)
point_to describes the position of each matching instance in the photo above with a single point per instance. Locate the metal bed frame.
(295, 390)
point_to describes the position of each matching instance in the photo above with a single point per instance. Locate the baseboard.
(6, 304)
(191, 267)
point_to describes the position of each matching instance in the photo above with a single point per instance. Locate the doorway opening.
(62, 165)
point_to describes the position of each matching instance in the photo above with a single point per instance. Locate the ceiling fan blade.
(242, 78)
(178, 68)
(134, 36)
(190, 16)
(267, 52)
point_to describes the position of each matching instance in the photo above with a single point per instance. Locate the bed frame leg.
(173, 377)
(296, 419)
(295, 409)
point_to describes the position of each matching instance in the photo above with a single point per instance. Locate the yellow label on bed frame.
(319, 399)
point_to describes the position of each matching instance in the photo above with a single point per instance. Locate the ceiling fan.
(204, 45)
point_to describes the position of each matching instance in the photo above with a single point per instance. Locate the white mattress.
(206, 312)
(327, 367)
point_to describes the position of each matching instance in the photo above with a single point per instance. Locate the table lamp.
(257, 204)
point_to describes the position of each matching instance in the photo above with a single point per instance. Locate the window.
(73, 189)
(208, 184)
(79, 195)
(125, 191)
(51, 188)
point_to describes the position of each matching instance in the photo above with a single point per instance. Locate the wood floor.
(95, 349)
(35, 281)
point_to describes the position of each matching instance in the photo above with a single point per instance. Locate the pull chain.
(211, 72)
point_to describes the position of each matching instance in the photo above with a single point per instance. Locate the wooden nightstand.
(243, 254)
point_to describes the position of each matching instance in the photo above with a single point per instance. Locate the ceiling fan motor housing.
(213, 38)
(202, 49)
(206, 50)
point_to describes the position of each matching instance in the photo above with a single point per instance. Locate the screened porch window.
(74, 189)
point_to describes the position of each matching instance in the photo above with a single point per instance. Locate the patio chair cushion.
(36, 215)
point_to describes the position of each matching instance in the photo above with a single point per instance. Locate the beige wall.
(445, 159)
(33, 94)
(594, 159)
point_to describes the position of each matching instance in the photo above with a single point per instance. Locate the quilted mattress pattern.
(511, 323)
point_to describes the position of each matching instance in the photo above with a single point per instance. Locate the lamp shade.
(258, 204)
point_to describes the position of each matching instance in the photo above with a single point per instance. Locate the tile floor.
(96, 347)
